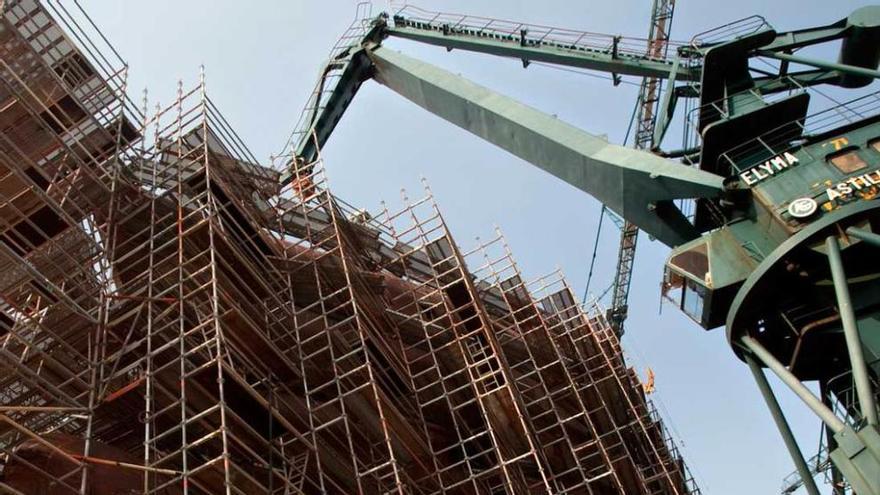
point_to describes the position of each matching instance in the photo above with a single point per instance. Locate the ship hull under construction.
(173, 321)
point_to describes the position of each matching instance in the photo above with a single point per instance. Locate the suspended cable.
(593, 260)
(584, 73)
(605, 292)
(632, 119)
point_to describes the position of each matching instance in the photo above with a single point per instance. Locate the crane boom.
(636, 184)
(349, 67)
(751, 254)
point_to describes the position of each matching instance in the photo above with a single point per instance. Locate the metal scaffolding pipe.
(784, 429)
(808, 397)
(4, 488)
(45, 409)
(851, 332)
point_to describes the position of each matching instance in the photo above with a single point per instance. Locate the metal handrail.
(732, 30)
(539, 35)
(843, 403)
(780, 139)
(819, 463)
(327, 81)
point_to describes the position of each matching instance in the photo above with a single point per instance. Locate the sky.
(262, 58)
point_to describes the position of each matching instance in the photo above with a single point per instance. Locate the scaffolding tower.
(173, 321)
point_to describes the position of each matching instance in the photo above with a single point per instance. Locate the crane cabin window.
(686, 278)
(687, 295)
(848, 161)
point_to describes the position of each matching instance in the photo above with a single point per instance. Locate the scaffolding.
(173, 321)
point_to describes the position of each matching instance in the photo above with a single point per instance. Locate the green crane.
(783, 227)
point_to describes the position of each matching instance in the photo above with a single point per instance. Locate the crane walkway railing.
(793, 134)
(841, 395)
(732, 30)
(527, 35)
(327, 82)
(818, 464)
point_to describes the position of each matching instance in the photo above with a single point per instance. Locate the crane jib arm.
(637, 185)
(599, 60)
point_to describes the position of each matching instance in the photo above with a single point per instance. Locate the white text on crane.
(768, 169)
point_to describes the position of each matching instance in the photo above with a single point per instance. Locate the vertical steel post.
(813, 402)
(779, 418)
(851, 332)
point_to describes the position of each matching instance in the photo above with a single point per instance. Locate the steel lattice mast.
(646, 120)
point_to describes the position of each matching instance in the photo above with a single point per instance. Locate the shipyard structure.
(176, 319)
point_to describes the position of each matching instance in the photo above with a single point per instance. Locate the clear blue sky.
(262, 59)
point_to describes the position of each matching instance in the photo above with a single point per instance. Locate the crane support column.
(869, 237)
(779, 418)
(851, 333)
(635, 184)
(814, 403)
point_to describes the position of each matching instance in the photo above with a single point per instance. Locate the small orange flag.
(648, 384)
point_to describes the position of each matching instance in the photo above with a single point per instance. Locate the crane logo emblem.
(802, 207)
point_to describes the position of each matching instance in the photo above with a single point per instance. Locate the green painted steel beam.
(356, 71)
(794, 384)
(795, 81)
(637, 185)
(782, 424)
(869, 237)
(861, 376)
(822, 64)
(600, 60)
(793, 40)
